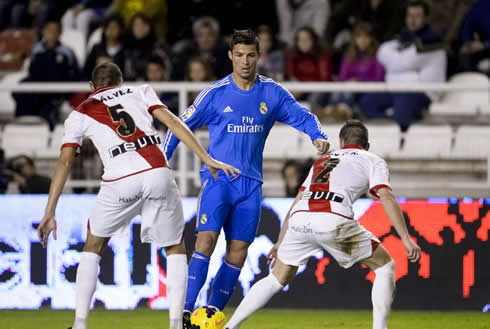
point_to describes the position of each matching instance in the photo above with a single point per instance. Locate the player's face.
(244, 59)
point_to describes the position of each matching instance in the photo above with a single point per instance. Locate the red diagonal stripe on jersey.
(319, 205)
(99, 112)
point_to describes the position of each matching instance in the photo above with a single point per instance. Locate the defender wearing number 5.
(136, 181)
(239, 111)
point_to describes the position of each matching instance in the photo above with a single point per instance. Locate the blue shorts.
(233, 205)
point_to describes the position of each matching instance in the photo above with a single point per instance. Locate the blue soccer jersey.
(239, 121)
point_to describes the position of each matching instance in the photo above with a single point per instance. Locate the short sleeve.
(307, 180)
(74, 131)
(151, 98)
(379, 177)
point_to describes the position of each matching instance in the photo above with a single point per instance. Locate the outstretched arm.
(48, 223)
(183, 133)
(394, 213)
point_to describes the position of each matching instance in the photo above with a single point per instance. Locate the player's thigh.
(162, 215)
(349, 243)
(284, 273)
(94, 243)
(379, 257)
(299, 243)
(214, 204)
(116, 204)
(245, 216)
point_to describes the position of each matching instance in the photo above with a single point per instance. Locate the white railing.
(186, 176)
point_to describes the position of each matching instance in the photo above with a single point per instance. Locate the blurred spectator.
(386, 17)
(141, 45)
(232, 15)
(22, 171)
(111, 45)
(156, 71)
(18, 14)
(308, 61)
(206, 44)
(291, 172)
(271, 60)
(359, 63)
(82, 14)
(294, 14)
(50, 61)
(417, 55)
(198, 70)
(31, 13)
(475, 51)
(155, 9)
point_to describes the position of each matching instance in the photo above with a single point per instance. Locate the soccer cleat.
(186, 320)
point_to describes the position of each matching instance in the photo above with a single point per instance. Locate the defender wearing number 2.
(322, 218)
(239, 111)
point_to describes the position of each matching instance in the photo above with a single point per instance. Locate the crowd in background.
(300, 40)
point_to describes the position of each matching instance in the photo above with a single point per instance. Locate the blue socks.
(198, 271)
(223, 284)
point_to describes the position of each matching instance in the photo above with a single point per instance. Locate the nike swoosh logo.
(217, 323)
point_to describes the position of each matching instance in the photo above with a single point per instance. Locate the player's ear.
(367, 147)
(229, 54)
(92, 87)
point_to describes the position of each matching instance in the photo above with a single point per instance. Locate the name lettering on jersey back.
(320, 195)
(247, 126)
(116, 94)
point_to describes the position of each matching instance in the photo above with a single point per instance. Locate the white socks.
(382, 294)
(87, 273)
(257, 297)
(176, 288)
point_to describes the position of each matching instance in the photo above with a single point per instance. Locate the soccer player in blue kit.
(239, 111)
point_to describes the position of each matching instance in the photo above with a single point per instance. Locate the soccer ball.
(208, 317)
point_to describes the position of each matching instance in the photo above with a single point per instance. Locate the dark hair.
(119, 21)
(53, 21)
(419, 3)
(290, 163)
(155, 59)
(106, 74)
(352, 52)
(354, 132)
(316, 47)
(246, 37)
(210, 76)
(147, 20)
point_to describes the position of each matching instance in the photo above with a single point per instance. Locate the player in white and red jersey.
(136, 181)
(321, 218)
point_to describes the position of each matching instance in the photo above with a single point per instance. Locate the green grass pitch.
(264, 319)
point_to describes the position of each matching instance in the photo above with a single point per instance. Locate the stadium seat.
(384, 139)
(283, 142)
(15, 46)
(25, 139)
(472, 142)
(75, 39)
(465, 102)
(426, 142)
(7, 103)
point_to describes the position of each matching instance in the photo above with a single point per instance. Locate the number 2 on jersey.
(324, 175)
(126, 127)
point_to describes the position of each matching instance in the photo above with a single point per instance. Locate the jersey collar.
(101, 89)
(352, 146)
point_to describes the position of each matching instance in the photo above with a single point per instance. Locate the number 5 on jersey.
(126, 127)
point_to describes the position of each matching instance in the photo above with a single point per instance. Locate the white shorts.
(309, 232)
(153, 194)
